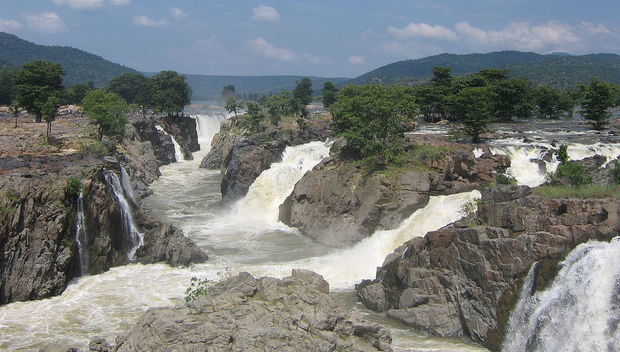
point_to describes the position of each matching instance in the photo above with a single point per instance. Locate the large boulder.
(463, 281)
(244, 313)
(183, 129)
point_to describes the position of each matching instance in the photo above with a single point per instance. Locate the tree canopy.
(107, 110)
(599, 97)
(35, 83)
(329, 94)
(303, 91)
(130, 86)
(372, 120)
(168, 92)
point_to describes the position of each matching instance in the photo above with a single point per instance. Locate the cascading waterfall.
(178, 153)
(81, 235)
(135, 238)
(126, 185)
(580, 311)
(532, 162)
(266, 194)
(207, 126)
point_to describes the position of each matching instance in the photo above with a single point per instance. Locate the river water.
(245, 236)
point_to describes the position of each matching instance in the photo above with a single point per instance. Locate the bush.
(74, 186)
(615, 173)
(562, 154)
(198, 287)
(502, 179)
(574, 173)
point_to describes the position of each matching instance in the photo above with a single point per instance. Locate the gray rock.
(247, 314)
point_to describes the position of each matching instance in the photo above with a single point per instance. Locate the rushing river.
(245, 236)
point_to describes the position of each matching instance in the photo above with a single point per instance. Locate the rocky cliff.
(464, 280)
(38, 207)
(341, 202)
(183, 128)
(243, 313)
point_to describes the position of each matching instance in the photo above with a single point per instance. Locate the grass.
(418, 159)
(583, 192)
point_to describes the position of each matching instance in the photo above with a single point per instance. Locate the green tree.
(442, 76)
(107, 110)
(233, 105)
(14, 109)
(303, 91)
(7, 93)
(514, 99)
(35, 83)
(75, 94)
(599, 97)
(49, 110)
(253, 118)
(372, 120)
(474, 107)
(228, 91)
(132, 87)
(169, 93)
(329, 94)
(546, 100)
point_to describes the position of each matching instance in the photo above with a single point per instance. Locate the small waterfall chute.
(266, 194)
(178, 153)
(207, 126)
(135, 239)
(579, 311)
(81, 235)
(126, 185)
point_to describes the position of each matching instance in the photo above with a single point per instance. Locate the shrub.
(198, 287)
(574, 173)
(74, 186)
(502, 179)
(615, 173)
(584, 192)
(562, 154)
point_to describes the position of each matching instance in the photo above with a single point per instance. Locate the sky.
(331, 38)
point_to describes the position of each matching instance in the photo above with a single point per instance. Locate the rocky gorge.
(39, 250)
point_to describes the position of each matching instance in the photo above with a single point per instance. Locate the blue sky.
(312, 37)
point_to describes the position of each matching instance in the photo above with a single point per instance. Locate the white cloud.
(595, 28)
(413, 30)
(45, 22)
(91, 4)
(178, 14)
(9, 25)
(266, 49)
(265, 13)
(143, 21)
(520, 35)
(356, 60)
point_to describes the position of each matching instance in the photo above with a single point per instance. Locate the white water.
(108, 304)
(178, 153)
(81, 235)
(126, 185)
(579, 312)
(529, 168)
(135, 238)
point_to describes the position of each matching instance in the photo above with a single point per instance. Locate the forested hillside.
(557, 70)
(79, 66)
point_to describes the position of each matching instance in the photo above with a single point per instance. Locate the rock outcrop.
(183, 128)
(222, 144)
(339, 203)
(464, 281)
(243, 313)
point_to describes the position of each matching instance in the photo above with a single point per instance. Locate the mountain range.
(558, 70)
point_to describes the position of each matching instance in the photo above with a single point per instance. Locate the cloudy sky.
(308, 37)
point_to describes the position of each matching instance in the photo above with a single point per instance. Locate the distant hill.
(559, 70)
(79, 65)
(6, 66)
(207, 87)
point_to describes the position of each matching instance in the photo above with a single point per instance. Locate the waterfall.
(126, 185)
(530, 163)
(81, 236)
(580, 311)
(134, 237)
(207, 126)
(178, 153)
(266, 194)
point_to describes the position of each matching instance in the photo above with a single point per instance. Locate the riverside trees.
(168, 92)
(36, 83)
(107, 110)
(598, 98)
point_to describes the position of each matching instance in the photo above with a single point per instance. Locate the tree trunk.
(49, 130)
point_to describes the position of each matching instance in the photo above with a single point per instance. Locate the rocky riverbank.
(39, 187)
(464, 280)
(341, 201)
(243, 313)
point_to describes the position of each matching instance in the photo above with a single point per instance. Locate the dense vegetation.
(555, 70)
(79, 66)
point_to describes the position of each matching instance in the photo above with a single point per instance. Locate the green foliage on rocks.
(372, 120)
(74, 186)
(36, 83)
(168, 93)
(502, 179)
(106, 110)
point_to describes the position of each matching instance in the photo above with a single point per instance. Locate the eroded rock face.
(338, 203)
(244, 313)
(464, 281)
(183, 128)
(222, 144)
